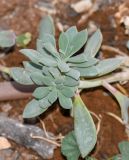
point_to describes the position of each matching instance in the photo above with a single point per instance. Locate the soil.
(24, 16)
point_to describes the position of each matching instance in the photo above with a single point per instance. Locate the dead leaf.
(4, 143)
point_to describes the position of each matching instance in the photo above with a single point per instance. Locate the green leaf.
(48, 61)
(44, 103)
(37, 78)
(65, 102)
(93, 45)
(51, 49)
(46, 71)
(74, 74)
(7, 38)
(48, 38)
(77, 42)
(46, 26)
(124, 105)
(52, 97)
(65, 40)
(117, 157)
(32, 67)
(71, 32)
(63, 67)
(108, 65)
(33, 109)
(48, 80)
(124, 150)
(89, 63)
(70, 82)
(54, 72)
(85, 131)
(68, 91)
(87, 72)
(69, 147)
(63, 43)
(78, 58)
(32, 54)
(41, 92)
(21, 76)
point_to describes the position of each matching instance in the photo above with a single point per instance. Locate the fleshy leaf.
(89, 63)
(73, 73)
(33, 109)
(71, 32)
(46, 71)
(63, 43)
(78, 58)
(69, 147)
(48, 38)
(63, 67)
(70, 82)
(32, 67)
(46, 26)
(124, 150)
(21, 76)
(122, 100)
(37, 78)
(41, 92)
(93, 44)
(108, 65)
(44, 103)
(77, 42)
(7, 39)
(68, 91)
(87, 72)
(54, 72)
(65, 102)
(51, 49)
(32, 54)
(52, 97)
(124, 105)
(85, 131)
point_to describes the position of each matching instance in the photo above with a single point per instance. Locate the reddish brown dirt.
(25, 17)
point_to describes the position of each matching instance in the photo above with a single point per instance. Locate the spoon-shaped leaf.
(90, 62)
(33, 109)
(46, 26)
(108, 65)
(32, 67)
(71, 32)
(77, 42)
(78, 58)
(32, 54)
(124, 105)
(41, 92)
(69, 147)
(21, 76)
(85, 131)
(93, 44)
(122, 100)
(65, 102)
(73, 73)
(124, 150)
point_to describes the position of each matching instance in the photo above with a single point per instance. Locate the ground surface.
(23, 16)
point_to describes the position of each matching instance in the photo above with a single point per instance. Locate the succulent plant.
(56, 73)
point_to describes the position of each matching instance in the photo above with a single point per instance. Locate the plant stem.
(115, 77)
